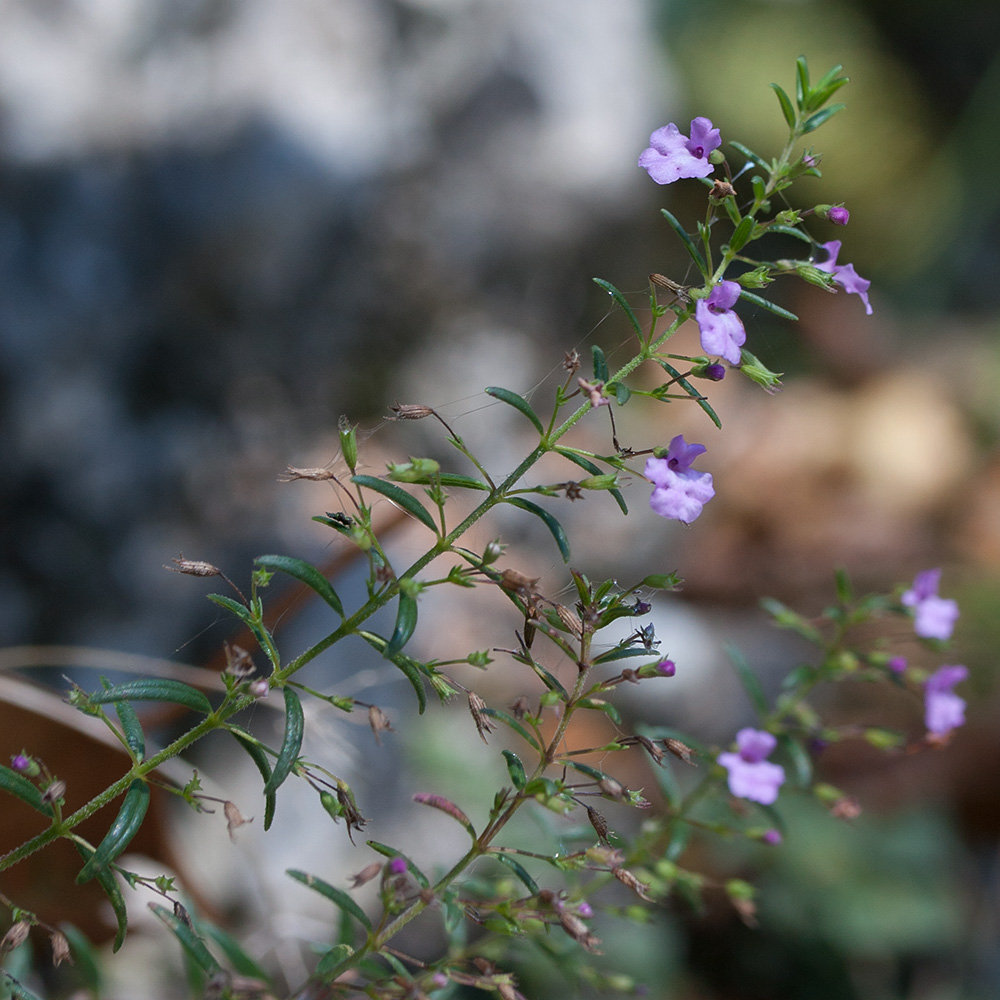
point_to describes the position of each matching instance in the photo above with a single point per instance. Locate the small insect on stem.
(680, 291)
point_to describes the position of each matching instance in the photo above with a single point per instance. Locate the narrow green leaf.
(515, 769)
(594, 470)
(622, 304)
(260, 758)
(549, 521)
(790, 231)
(687, 241)
(601, 373)
(509, 720)
(398, 496)
(190, 941)
(233, 951)
(786, 105)
(830, 77)
(517, 869)
(814, 122)
(455, 480)
(801, 81)
(391, 852)
(409, 666)
(749, 680)
(769, 306)
(801, 760)
(246, 616)
(13, 988)
(109, 883)
(623, 653)
(691, 390)
(291, 743)
(751, 156)
(125, 826)
(406, 622)
(338, 897)
(154, 689)
(304, 573)
(598, 705)
(518, 402)
(742, 233)
(131, 728)
(446, 806)
(586, 769)
(19, 786)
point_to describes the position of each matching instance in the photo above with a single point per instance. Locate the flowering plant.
(509, 888)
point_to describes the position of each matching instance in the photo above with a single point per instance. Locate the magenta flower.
(839, 216)
(943, 709)
(933, 617)
(844, 274)
(671, 156)
(897, 664)
(721, 329)
(751, 776)
(679, 492)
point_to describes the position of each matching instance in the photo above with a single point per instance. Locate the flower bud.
(25, 765)
(757, 372)
(713, 372)
(348, 443)
(837, 214)
(397, 866)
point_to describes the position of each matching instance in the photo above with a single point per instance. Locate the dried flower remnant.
(365, 875)
(234, 819)
(679, 492)
(594, 391)
(672, 156)
(751, 776)
(943, 709)
(379, 722)
(844, 274)
(722, 331)
(193, 567)
(478, 709)
(933, 617)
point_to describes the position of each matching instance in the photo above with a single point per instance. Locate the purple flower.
(397, 865)
(671, 156)
(585, 910)
(844, 274)
(666, 668)
(933, 617)
(714, 372)
(839, 216)
(722, 330)
(771, 836)
(897, 664)
(750, 775)
(679, 492)
(943, 709)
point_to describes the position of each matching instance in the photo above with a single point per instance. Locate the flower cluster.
(751, 775)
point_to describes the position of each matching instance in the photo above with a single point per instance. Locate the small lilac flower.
(933, 617)
(897, 664)
(943, 709)
(397, 866)
(671, 156)
(722, 330)
(585, 910)
(679, 492)
(844, 274)
(19, 762)
(839, 215)
(771, 836)
(666, 668)
(750, 775)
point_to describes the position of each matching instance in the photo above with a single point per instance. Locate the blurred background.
(224, 223)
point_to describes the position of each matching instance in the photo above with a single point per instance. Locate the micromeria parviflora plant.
(503, 893)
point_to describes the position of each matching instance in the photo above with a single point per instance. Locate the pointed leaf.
(406, 622)
(291, 743)
(600, 363)
(109, 883)
(742, 233)
(687, 241)
(691, 391)
(758, 161)
(791, 231)
(446, 806)
(461, 482)
(338, 897)
(233, 951)
(515, 769)
(154, 689)
(125, 826)
(398, 496)
(813, 123)
(786, 105)
(131, 728)
(518, 402)
(190, 941)
(622, 303)
(518, 870)
(260, 758)
(391, 852)
(409, 666)
(550, 522)
(509, 720)
(769, 306)
(749, 680)
(801, 80)
(594, 470)
(25, 790)
(304, 573)
(246, 616)
(12, 988)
